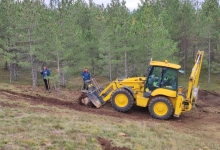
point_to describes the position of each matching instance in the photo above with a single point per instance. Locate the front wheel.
(122, 100)
(161, 108)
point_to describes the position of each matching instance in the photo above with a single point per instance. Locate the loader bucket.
(91, 95)
(94, 99)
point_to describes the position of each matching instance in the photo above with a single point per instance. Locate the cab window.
(154, 78)
(162, 77)
(169, 79)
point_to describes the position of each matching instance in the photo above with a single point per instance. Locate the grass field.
(25, 125)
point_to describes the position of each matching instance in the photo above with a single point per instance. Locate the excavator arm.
(192, 93)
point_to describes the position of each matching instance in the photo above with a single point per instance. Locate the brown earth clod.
(107, 145)
(82, 96)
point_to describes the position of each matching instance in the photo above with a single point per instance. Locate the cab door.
(161, 77)
(153, 79)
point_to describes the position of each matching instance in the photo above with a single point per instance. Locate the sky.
(131, 4)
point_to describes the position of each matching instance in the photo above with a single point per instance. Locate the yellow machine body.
(137, 86)
(158, 100)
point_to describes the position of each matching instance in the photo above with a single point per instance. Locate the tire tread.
(169, 104)
(130, 99)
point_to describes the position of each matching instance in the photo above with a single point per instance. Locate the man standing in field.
(85, 76)
(45, 74)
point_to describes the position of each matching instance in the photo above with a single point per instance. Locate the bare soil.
(208, 103)
(107, 145)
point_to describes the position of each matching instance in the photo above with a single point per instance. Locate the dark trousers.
(85, 86)
(46, 81)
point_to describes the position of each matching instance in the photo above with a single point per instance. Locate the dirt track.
(206, 112)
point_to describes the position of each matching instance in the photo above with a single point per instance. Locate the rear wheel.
(161, 108)
(122, 100)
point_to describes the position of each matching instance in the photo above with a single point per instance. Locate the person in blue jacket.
(85, 76)
(45, 74)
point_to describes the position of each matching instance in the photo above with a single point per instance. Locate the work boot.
(48, 90)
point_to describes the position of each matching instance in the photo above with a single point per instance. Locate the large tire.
(161, 108)
(122, 100)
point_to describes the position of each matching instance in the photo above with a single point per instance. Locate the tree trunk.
(92, 60)
(110, 67)
(32, 60)
(185, 49)
(10, 71)
(10, 64)
(194, 50)
(36, 73)
(14, 68)
(58, 70)
(125, 65)
(58, 54)
(6, 65)
(63, 79)
(209, 63)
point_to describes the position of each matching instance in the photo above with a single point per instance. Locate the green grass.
(203, 80)
(57, 128)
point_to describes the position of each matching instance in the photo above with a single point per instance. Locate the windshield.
(162, 77)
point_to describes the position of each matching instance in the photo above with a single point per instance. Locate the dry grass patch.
(68, 129)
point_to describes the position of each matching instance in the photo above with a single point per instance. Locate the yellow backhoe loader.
(158, 91)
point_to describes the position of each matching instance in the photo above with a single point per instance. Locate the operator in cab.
(156, 82)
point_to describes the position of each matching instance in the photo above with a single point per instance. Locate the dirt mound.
(107, 145)
(208, 99)
(36, 99)
(106, 110)
(205, 93)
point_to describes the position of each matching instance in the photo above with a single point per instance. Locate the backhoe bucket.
(94, 99)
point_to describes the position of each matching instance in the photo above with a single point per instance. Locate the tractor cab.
(161, 75)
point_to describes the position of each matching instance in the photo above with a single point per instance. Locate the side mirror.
(181, 71)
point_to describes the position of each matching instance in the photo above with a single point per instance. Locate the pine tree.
(210, 33)
(153, 40)
(29, 39)
(9, 16)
